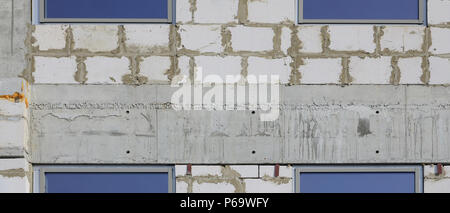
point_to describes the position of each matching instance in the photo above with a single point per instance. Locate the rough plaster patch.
(345, 77)
(295, 75)
(81, 74)
(12, 173)
(242, 15)
(228, 181)
(395, 74)
(135, 77)
(226, 39)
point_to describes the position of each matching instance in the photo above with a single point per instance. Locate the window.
(357, 179)
(105, 11)
(362, 11)
(101, 179)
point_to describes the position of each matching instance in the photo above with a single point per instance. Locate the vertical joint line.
(12, 28)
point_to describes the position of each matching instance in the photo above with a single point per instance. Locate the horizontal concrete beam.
(112, 124)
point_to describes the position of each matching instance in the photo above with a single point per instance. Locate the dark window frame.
(421, 20)
(44, 19)
(40, 171)
(418, 172)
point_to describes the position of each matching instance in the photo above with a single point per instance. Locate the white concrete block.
(50, 37)
(181, 187)
(180, 170)
(251, 38)
(370, 70)
(249, 171)
(216, 69)
(216, 11)
(206, 171)
(440, 40)
(410, 70)
(201, 38)
(213, 188)
(352, 38)
(8, 108)
(261, 186)
(438, 11)
(311, 39)
(183, 11)
(13, 177)
(321, 71)
(437, 185)
(439, 70)
(269, 171)
(95, 38)
(149, 38)
(155, 68)
(12, 133)
(54, 70)
(403, 39)
(272, 11)
(262, 66)
(106, 70)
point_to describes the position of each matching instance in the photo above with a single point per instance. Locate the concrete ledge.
(117, 124)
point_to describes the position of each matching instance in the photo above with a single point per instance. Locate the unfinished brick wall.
(234, 179)
(246, 37)
(243, 37)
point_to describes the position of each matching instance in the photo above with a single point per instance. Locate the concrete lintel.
(117, 124)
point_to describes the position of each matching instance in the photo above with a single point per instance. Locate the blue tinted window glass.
(370, 182)
(107, 182)
(119, 9)
(361, 9)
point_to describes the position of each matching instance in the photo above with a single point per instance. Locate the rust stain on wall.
(15, 98)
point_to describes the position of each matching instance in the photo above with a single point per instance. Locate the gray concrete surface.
(318, 124)
(15, 16)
